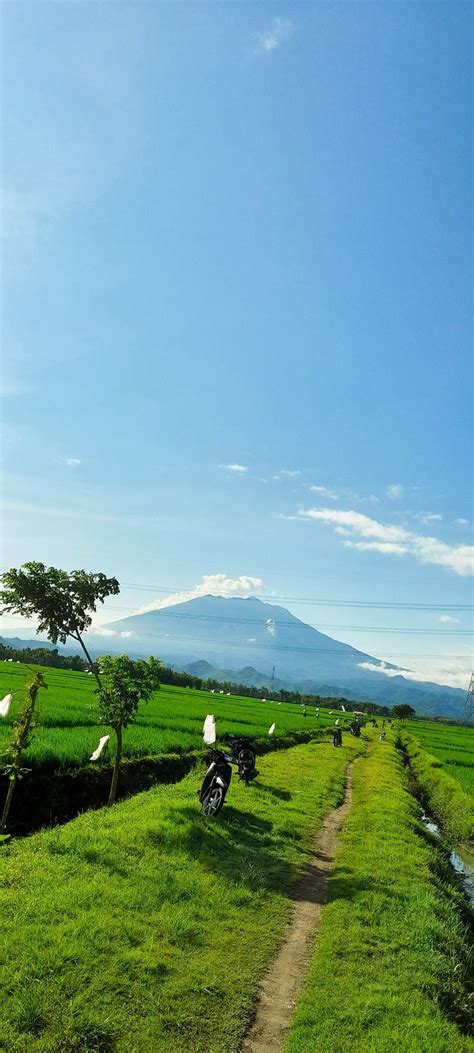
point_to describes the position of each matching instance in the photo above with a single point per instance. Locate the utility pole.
(469, 703)
(273, 680)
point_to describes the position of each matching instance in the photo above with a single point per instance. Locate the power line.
(290, 625)
(385, 629)
(354, 652)
(310, 650)
(312, 601)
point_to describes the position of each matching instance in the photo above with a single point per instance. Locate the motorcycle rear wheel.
(246, 765)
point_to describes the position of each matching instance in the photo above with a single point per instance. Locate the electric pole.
(469, 703)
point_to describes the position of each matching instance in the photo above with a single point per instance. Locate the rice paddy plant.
(69, 721)
(453, 746)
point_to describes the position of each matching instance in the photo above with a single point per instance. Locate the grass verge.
(391, 966)
(45, 799)
(146, 927)
(444, 796)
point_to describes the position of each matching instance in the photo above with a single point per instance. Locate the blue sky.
(239, 235)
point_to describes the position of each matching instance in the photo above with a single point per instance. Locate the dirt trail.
(282, 985)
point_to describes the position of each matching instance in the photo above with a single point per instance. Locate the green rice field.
(68, 726)
(454, 746)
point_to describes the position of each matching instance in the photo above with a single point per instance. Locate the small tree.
(22, 730)
(125, 683)
(63, 601)
(403, 711)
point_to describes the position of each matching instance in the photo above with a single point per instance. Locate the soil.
(282, 985)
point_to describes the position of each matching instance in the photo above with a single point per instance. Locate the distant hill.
(17, 643)
(248, 676)
(261, 636)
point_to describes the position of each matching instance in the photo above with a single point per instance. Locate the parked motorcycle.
(216, 782)
(244, 756)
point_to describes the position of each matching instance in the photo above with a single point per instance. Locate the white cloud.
(429, 517)
(252, 639)
(238, 468)
(287, 473)
(452, 674)
(362, 499)
(274, 37)
(325, 492)
(357, 523)
(394, 491)
(459, 558)
(448, 619)
(210, 584)
(368, 534)
(463, 522)
(100, 630)
(290, 519)
(70, 462)
(387, 547)
(271, 627)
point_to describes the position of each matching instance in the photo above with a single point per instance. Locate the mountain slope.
(236, 632)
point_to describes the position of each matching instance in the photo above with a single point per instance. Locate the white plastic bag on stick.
(102, 742)
(272, 729)
(5, 705)
(209, 730)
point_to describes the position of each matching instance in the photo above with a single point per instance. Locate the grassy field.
(454, 746)
(443, 794)
(147, 927)
(392, 958)
(68, 723)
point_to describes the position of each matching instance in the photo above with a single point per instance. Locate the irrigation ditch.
(50, 796)
(460, 858)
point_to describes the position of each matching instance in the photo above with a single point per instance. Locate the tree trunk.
(115, 773)
(8, 801)
(92, 664)
(26, 717)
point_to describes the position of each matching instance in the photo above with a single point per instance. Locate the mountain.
(17, 643)
(263, 636)
(249, 677)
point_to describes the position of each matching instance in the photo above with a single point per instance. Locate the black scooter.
(216, 782)
(244, 756)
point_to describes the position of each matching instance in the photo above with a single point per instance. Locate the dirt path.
(282, 985)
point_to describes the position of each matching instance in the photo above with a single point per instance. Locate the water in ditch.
(462, 866)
